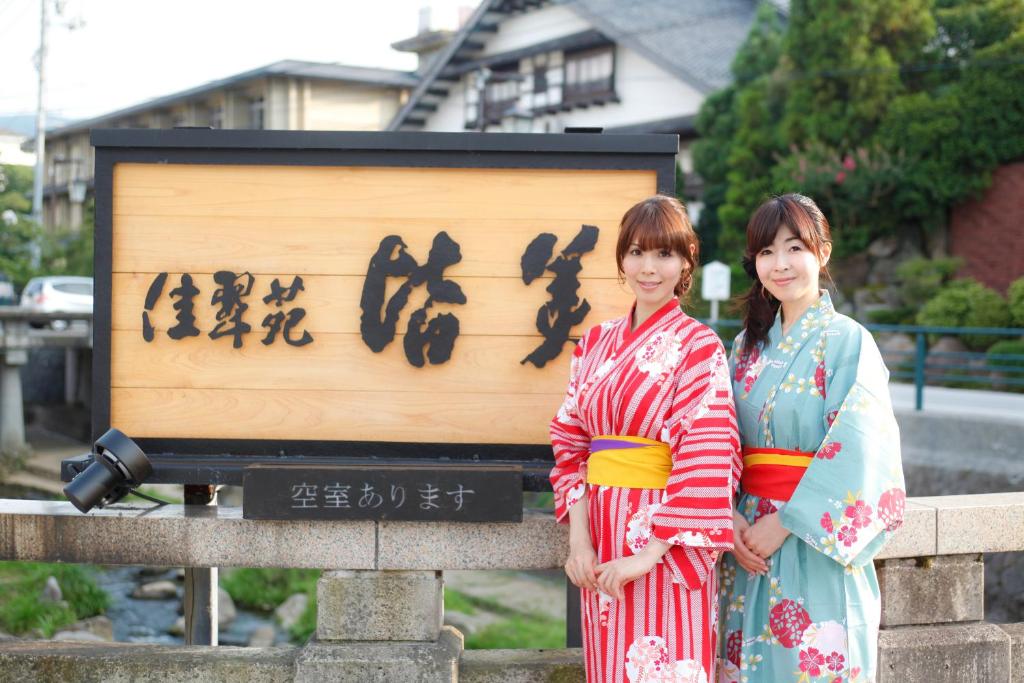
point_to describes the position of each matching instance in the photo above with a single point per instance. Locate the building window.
(501, 93)
(256, 113)
(540, 74)
(217, 117)
(589, 76)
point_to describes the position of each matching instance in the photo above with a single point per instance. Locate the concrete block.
(381, 662)
(379, 605)
(982, 523)
(932, 590)
(1016, 633)
(42, 661)
(535, 543)
(916, 538)
(522, 666)
(944, 654)
(208, 536)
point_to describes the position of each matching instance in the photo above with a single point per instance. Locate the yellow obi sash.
(631, 462)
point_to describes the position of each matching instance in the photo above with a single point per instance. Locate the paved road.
(941, 400)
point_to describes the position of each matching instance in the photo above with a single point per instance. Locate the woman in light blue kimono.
(822, 486)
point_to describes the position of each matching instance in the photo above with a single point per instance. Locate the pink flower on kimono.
(829, 450)
(788, 620)
(859, 514)
(744, 362)
(891, 505)
(826, 523)
(848, 535)
(835, 662)
(764, 507)
(819, 377)
(831, 417)
(729, 673)
(647, 660)
(811, 661)
(734, 647)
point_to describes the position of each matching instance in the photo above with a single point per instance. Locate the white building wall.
(524, 30)
(451, 111)
(647, 93)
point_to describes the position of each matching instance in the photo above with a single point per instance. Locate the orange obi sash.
(773, 472)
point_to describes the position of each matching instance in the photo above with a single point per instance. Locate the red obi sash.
(773, 472)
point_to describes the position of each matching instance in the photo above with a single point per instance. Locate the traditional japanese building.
(546, 65)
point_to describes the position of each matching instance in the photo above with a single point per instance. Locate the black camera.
(118, 466)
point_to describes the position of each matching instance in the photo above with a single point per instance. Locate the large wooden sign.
(352, 295)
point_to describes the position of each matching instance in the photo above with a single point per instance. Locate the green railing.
(957, 368)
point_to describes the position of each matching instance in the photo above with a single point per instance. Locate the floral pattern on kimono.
(822, 389)
(667, 380)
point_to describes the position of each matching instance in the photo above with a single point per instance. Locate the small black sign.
(458, 493)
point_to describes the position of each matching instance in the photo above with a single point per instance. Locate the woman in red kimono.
(647, 461)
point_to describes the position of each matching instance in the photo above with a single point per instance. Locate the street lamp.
(76, 190)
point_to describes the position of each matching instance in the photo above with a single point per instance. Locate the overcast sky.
(129, 51)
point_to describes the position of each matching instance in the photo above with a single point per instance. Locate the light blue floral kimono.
(822, 388)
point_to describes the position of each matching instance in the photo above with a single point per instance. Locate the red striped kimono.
(668, 380)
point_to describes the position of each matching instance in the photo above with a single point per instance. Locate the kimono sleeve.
(852, 497)
(701, 431)
(570, 442)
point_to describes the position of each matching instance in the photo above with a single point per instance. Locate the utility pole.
(37, 185)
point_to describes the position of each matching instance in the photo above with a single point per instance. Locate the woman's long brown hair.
(801, 215)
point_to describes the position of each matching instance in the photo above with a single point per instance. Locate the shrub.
(21, 584)
(967, 303)
(892, 316)
(922, 278)
(1011, 368)
(1015, 299)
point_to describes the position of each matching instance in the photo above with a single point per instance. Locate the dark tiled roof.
(694, 39)
(288, 67)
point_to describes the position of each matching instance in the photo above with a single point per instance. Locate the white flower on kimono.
(574, 494)
(604, 368)
(728, 673)
(891, 505)
(829, 638)
(695, 539)
(661, 355)
(647, 661)
(604, 606)
(638, 528)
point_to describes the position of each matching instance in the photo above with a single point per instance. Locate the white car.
(58, 293)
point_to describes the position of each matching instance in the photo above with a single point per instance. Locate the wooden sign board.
(352, 295)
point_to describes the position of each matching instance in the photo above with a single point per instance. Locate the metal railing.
(936, 368)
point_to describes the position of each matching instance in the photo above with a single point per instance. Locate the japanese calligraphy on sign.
(406, 305)
(454, 493)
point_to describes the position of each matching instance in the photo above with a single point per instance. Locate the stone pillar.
(932, 628)
(381, 626)
(12, 412)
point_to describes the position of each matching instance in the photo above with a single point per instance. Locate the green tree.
(888, 112)
(61, 251)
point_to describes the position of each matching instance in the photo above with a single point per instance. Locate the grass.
(264, 589)
(532, 632)
(21, 585)
(514, 631)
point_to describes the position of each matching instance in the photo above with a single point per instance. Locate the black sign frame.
(222, 461)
